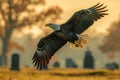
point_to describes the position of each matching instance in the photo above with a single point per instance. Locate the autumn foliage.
(111, 42)
(17, 14)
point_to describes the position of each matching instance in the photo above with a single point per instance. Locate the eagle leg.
(81, 42)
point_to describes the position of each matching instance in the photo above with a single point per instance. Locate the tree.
(17, 14)
(111, 42)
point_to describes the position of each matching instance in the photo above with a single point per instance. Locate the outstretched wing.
(97, 11)
(46, 48)
(91, 14)
(82, 19)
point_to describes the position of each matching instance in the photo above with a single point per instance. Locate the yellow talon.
(81, 42)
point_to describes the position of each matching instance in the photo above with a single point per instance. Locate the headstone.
(70, 63)
(116, 66)
(88, 60)
(56, 64)
(112, 66)
(15, 62)
(0, 60)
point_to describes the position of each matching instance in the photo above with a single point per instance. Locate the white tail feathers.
(81, 42)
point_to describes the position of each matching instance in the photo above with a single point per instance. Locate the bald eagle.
(66, 32)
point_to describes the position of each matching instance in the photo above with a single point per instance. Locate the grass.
(59, 74)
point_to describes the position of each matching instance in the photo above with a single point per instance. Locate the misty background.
(31, 29)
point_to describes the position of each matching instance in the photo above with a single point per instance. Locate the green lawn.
(59, 74)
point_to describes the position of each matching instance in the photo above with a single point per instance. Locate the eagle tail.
(80, 43)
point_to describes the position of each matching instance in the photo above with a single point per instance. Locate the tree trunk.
(4, 60)
(4, 51)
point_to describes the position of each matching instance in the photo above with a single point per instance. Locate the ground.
(59, 74)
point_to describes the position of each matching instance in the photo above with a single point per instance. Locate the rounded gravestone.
(112, 66)
(56, 64)
(70, 63)
(15, 62)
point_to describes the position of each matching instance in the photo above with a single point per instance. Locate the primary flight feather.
(67, 32)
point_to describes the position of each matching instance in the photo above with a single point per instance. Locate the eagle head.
(53, 26)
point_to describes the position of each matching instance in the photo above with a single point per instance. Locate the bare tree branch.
(3, 14)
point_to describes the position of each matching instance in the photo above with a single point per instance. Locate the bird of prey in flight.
(69, 31)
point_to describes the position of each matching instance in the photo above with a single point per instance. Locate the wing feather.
(83, 19)
(95, 5)
(46, 49)
(97, 10)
